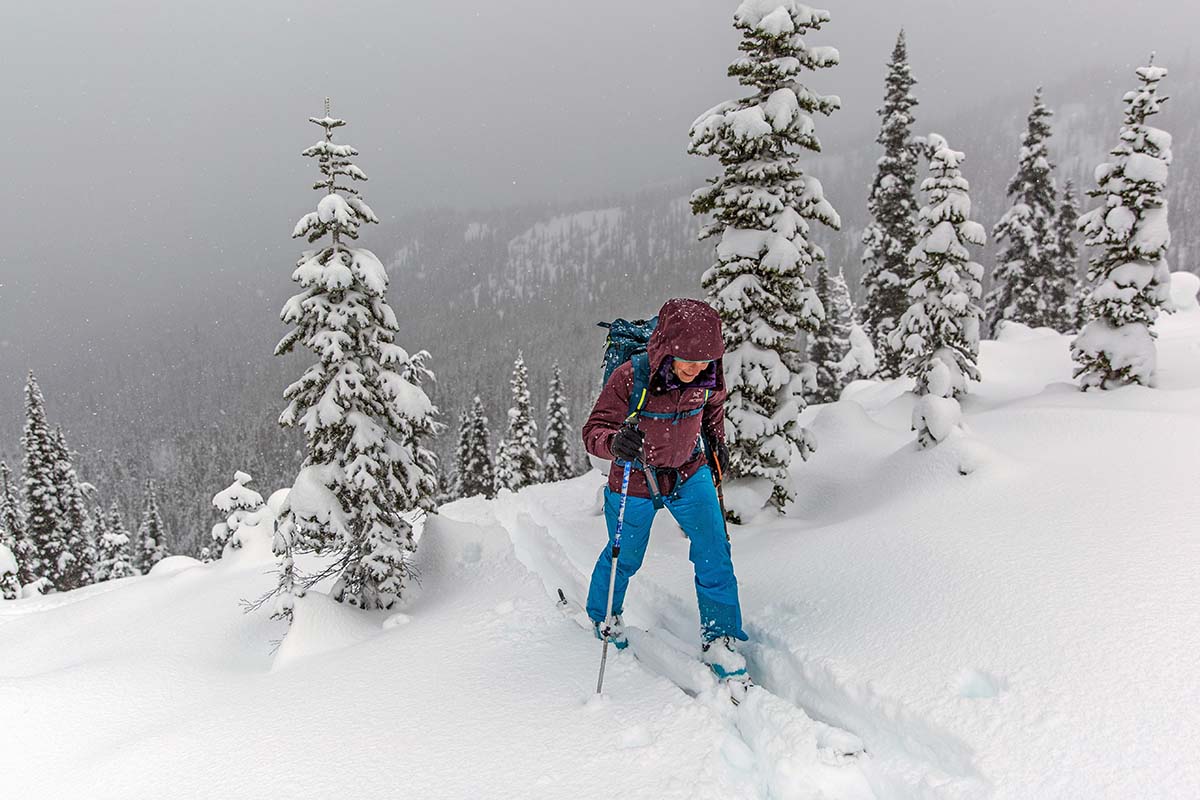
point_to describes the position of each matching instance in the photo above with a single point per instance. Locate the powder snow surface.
(1010, 614)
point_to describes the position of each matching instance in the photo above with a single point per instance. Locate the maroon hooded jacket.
(689, 330)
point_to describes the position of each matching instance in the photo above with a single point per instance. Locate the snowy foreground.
(1014, 614)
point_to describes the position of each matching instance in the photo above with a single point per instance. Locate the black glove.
(627, 444)
(717, 451)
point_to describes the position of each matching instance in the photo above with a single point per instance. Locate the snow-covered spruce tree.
(1025, 285)
(415, 430)
(114, 556)
(104, 545)
(77, 570)
(844, 325)
(152, 532)
(362, 414)
(14, 529)
(1066, 257)
(1128, 277)
(557, 448)
(827, 346)
(843, 304)
(892, 231)
(103, 539)
(518, 463)
(478, 476)
(234, 502)
(10, 587)
(761, 206)
(40, 490)
(116, 527)
(289, 586)
(461, 453)
(9, 528)
(939, 333)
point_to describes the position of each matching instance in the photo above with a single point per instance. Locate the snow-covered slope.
(1009, 615)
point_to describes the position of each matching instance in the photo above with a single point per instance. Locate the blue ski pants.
(694, 506)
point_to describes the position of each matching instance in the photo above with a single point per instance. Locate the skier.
(678, 424)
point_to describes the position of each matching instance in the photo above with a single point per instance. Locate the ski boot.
(728, 665)
(613, 630)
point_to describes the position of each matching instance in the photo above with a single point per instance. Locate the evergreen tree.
(1066, 257)
(843, 315)
(10, 587)
(361, 406)
(557, 448)
(461, 455)
(415, 431)
(1129, 279)
(13, 527)
(238, 503)
(1025, 282)
(51, 554)
(892, 232)
(79, 561)
(290, 586)
(478, 476)
(444, 482)
(99, 528)
(826, 346)
(518, 463)
(939, 333)
(152, 533)
(762, 206)
(10, 529)
(113, 547)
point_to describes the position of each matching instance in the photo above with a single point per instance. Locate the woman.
(679, 429)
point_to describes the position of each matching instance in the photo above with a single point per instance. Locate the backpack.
(627, 342)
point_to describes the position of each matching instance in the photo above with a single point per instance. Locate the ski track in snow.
(910, 754)
(561, 548)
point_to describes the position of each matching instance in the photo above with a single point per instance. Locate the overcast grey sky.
(153, 147)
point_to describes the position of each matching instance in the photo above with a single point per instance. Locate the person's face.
(687, 371)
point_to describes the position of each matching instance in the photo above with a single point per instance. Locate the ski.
(664, 655)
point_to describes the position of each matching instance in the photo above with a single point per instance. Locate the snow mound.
(256, 535)
(172, 565)
(747, 497)
(1184, 286)
(277, 499)
(1011, 331)
(320, 625)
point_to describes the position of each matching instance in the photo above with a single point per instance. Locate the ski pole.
(612, 575)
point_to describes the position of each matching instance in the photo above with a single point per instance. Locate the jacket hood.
(689, 330)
